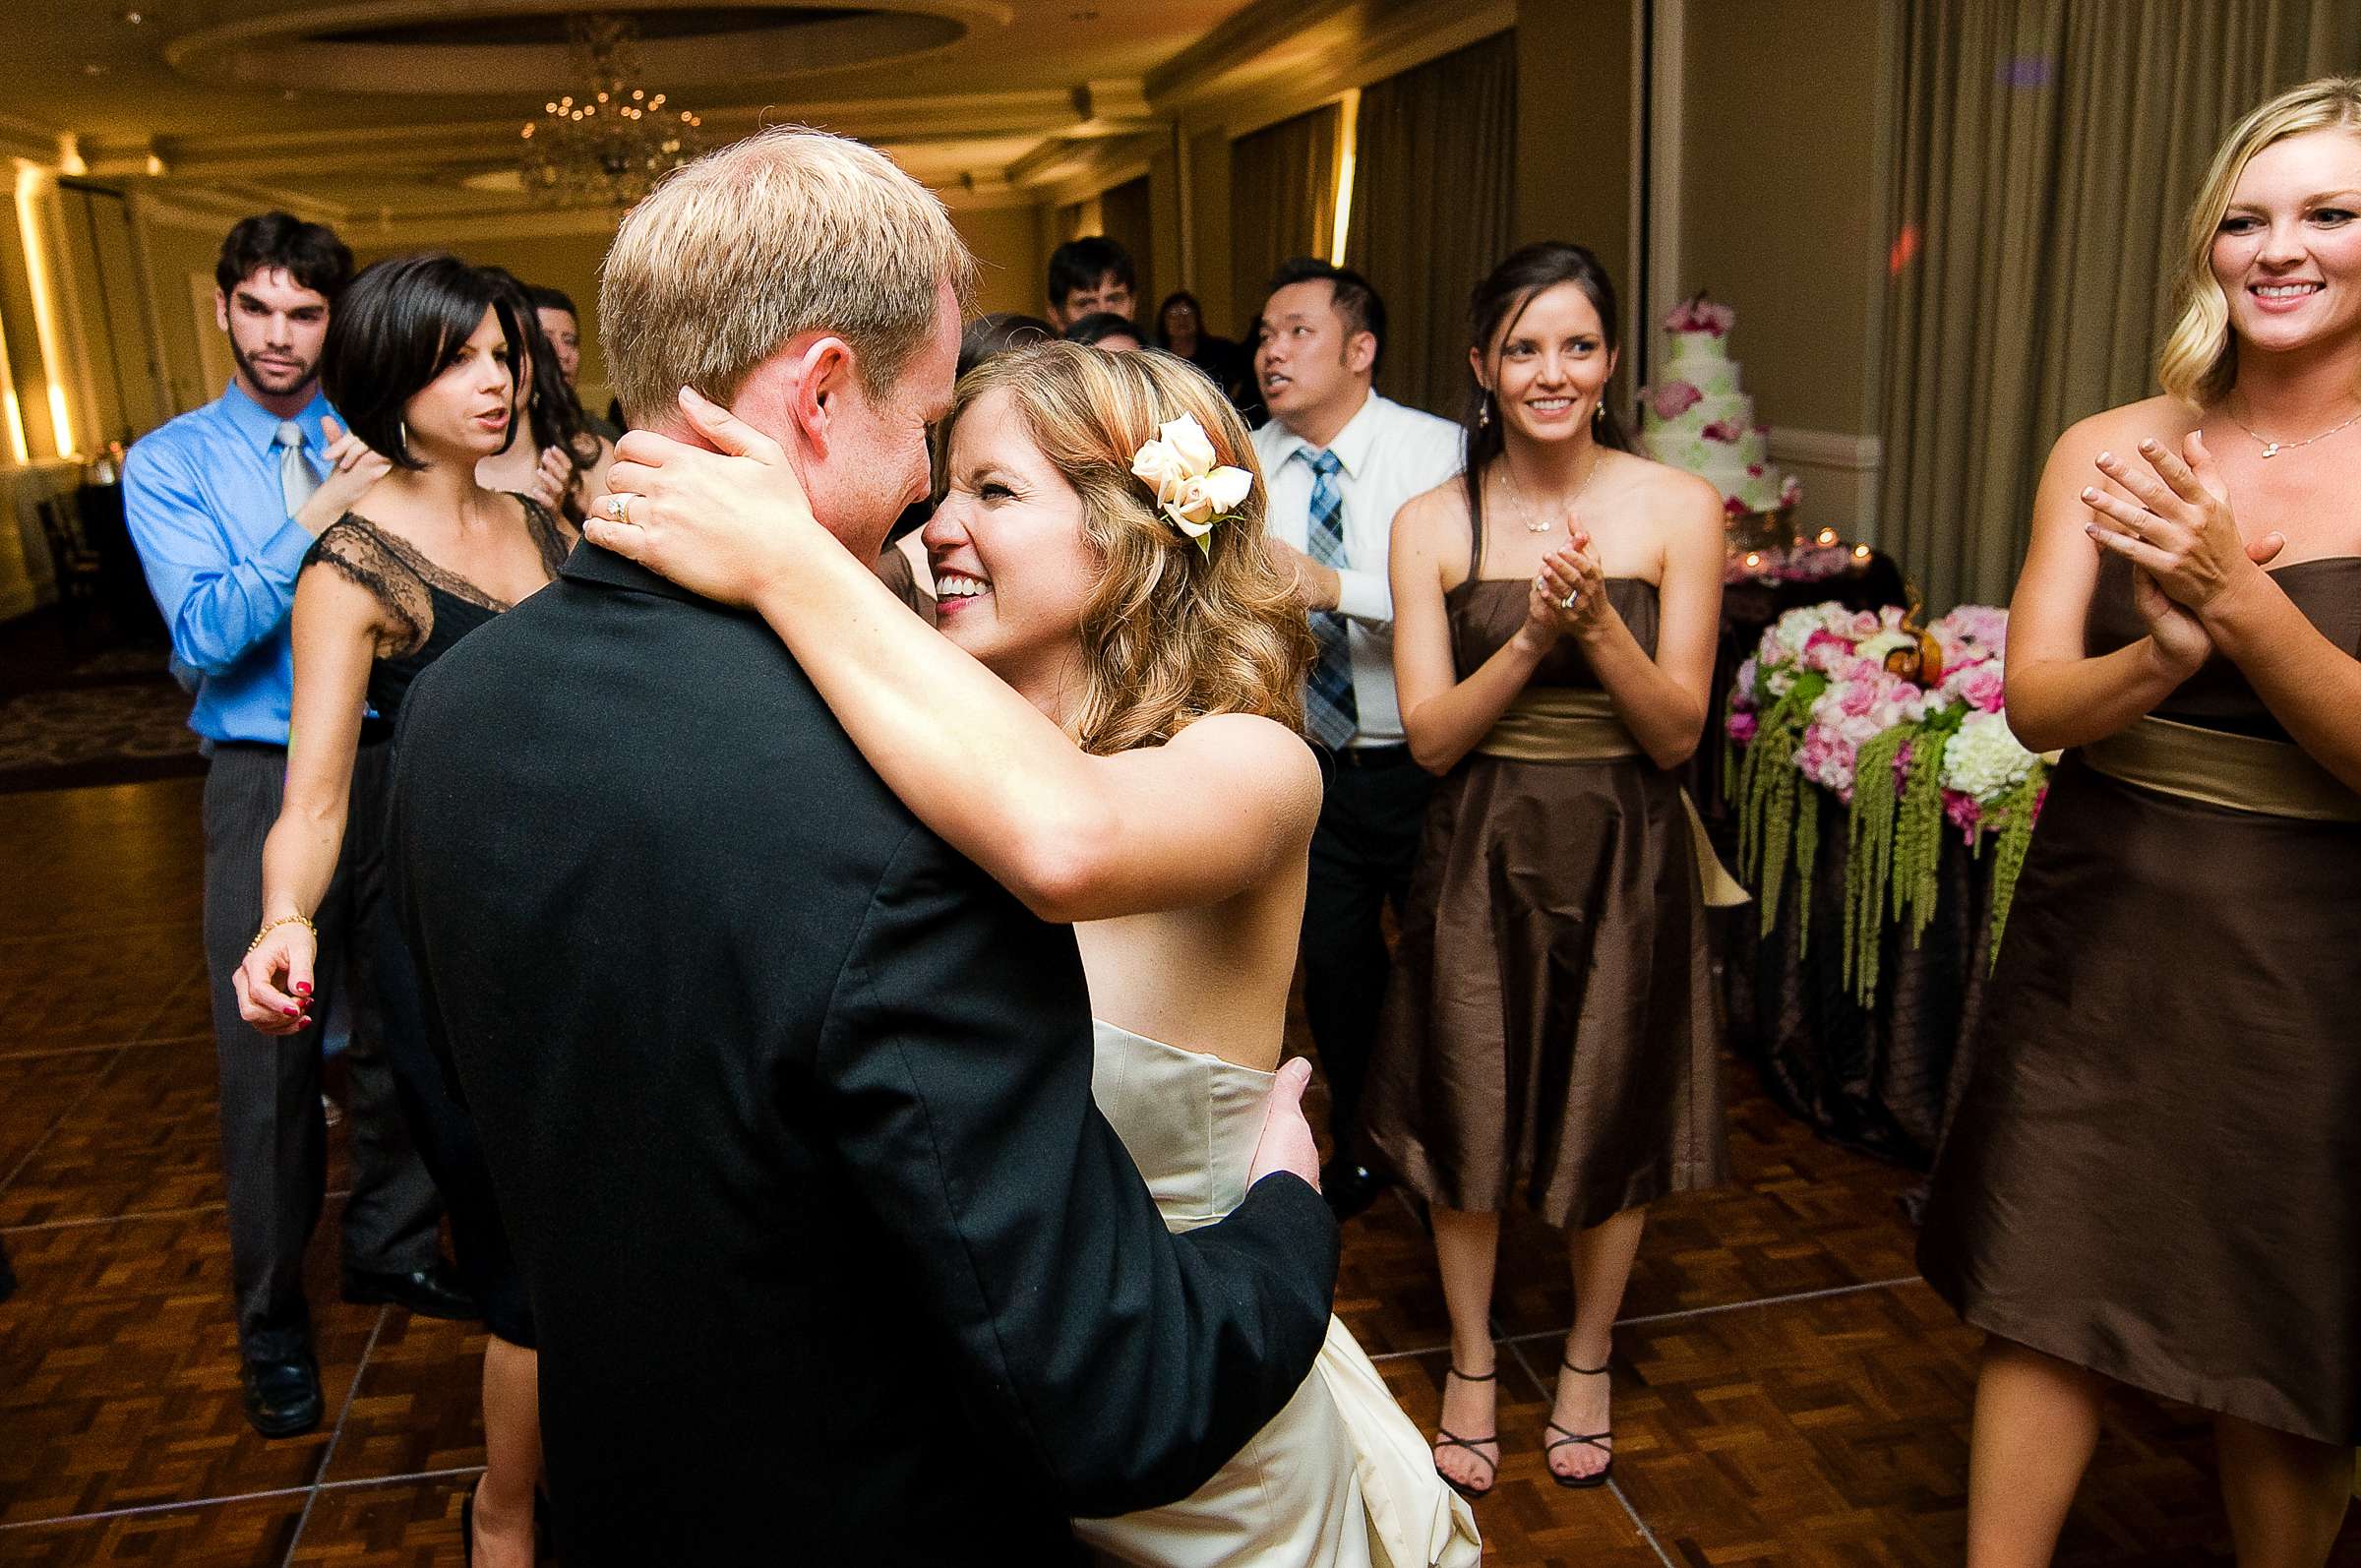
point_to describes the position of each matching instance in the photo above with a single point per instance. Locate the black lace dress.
(430, 609)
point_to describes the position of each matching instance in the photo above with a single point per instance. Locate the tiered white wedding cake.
(1696, 419)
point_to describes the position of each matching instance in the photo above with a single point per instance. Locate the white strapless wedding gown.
(1340, 1478)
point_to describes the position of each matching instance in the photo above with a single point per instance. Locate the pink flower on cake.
(1790, 492)
(1754, 470)
(1698, 314)
(1732, 506)
(1673, 399)
(1723, 430)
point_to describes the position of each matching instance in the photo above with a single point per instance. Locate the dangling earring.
(403, 427)
(1599, 414)
(1484, 408)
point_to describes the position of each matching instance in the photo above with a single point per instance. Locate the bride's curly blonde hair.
(1170, 633)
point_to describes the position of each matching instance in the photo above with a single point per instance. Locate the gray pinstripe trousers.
(273, 1137)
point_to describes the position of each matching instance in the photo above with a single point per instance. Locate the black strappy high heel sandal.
(1598, 1440)
(1448, 1439)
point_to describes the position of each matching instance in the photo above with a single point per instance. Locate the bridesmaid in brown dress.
(2154, 1177)
(1551, 1025)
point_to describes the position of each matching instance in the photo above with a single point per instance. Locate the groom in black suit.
(788, 1105)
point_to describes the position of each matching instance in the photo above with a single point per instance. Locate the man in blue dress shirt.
(223, 502)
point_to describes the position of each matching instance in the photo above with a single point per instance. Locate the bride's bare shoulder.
(1249, 750)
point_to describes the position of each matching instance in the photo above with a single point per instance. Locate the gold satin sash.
(1553, 724)
(2243, 772)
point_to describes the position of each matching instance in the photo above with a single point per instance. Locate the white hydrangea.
(1985, 759)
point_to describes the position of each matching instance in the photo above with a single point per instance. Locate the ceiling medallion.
(606, 147)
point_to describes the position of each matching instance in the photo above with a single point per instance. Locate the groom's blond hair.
(791, 230)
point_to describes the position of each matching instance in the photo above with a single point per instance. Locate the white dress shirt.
(1388, 453)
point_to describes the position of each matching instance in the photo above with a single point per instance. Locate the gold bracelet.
(304, 920)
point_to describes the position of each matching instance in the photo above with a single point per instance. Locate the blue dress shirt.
(206, 513)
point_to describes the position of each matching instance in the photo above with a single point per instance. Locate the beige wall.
(1006, 241)
(1781, 206)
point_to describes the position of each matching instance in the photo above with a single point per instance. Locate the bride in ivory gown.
(1105, 722)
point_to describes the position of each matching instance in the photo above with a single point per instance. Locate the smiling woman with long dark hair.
(420, 359)
(2150, 1176)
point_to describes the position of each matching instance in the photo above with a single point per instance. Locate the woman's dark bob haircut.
(397, 327)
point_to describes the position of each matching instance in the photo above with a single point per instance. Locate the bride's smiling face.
(1012, 568)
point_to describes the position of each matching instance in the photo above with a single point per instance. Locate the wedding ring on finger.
(619, 506)
(1567, 603)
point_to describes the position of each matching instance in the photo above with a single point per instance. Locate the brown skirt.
(1552, 1018)
(2155, 1170)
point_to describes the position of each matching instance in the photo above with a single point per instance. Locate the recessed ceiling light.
(93, 68)
(133, 18)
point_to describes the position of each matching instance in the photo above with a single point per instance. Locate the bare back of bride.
(1105, 719)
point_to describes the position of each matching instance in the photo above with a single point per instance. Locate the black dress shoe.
(283, 1397)
(1350, 1188)
(431, 1291)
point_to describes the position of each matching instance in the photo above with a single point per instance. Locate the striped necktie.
(1330, 712)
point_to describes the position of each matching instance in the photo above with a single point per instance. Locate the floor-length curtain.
(2048, 152)
(1282, 201)
(1434, 189)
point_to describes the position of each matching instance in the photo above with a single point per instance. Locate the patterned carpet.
(1787, 1390)
(66, 720)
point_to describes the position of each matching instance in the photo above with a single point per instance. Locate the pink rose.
(1962, 813)
(1754, 470)
(1982, 686)
(1858, 699)
(1742, 726)
(1723, 430)
(1673, 399)
(1732, 506)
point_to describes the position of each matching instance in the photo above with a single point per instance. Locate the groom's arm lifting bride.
(787, 1104)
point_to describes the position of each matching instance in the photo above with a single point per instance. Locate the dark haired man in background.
(223, 502)
(1091, 275)
(1339, 460)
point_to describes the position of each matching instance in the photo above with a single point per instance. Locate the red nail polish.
(292, 1013)
(303, 988)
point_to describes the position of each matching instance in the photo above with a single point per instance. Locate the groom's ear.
(822, 383)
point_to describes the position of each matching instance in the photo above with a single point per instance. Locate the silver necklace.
(1508, 478)
(2271, 449)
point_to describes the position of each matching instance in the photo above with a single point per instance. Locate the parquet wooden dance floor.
(1787, 1390)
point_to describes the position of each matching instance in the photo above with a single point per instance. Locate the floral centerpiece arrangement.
(1903, 725)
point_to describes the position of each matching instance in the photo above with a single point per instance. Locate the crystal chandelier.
(608, 145)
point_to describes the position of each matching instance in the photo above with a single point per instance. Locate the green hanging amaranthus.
(1772, 805)
(1869, 856)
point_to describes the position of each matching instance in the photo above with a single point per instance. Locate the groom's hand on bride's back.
(1286, 1143)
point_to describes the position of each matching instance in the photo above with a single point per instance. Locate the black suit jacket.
(788, 1109)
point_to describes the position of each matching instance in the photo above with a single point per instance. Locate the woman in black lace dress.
(418, 361)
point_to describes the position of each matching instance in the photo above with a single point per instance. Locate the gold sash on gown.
(1559, 724)
(2242, 772)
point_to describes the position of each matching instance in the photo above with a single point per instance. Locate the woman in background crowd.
(1180, 332)
(1550, 1024)
(418, 359)
(2150, 1177)
(562, 462)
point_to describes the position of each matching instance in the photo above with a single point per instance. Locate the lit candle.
(1754, 559)
(1860, 552)
(1828, 536)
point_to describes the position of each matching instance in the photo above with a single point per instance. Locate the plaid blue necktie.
(1329, 710)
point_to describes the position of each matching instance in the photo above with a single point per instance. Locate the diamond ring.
(619, 506)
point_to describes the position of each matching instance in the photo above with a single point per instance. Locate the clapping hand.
(1568, 595)
(552, 477)
(714, 521)
(2181, 539)
(354, 467)
(2177, 527)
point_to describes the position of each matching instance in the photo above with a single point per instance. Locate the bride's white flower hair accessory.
(1192, 491)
